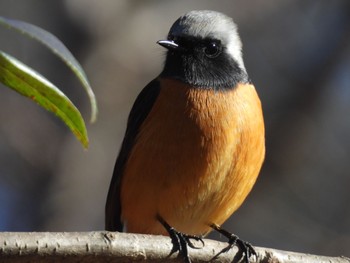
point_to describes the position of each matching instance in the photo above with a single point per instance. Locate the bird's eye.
(212, 49)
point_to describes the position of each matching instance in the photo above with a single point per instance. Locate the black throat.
(220, 73)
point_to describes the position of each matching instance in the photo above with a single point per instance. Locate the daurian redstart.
(194, 142)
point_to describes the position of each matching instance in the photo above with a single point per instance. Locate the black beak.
(170, 45)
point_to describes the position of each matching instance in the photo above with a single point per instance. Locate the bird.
(195, 138)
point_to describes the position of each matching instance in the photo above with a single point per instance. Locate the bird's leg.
(180, 240)
(233, 240)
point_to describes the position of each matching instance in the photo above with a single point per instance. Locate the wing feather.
(140, 110)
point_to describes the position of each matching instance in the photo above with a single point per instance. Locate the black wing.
(142, 106)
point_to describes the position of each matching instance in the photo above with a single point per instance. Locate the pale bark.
(120, 247)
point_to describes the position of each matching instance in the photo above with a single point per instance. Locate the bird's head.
(204, 50)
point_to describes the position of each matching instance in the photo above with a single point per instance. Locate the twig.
(120, 247)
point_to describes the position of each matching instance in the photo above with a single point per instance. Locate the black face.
(203, 63)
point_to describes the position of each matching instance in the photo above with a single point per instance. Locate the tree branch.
(121, 247)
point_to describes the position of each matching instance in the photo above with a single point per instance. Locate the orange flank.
(198, 154)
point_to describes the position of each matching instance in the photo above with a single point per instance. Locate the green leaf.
(57, 47)
(31, 84)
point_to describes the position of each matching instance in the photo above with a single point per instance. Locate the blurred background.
(297, 53)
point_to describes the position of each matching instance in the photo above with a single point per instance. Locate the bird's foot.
(180, 240)
(245, 248)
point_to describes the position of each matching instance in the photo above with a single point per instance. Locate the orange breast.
(195, 160)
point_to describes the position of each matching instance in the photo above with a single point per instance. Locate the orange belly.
(195, 160)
